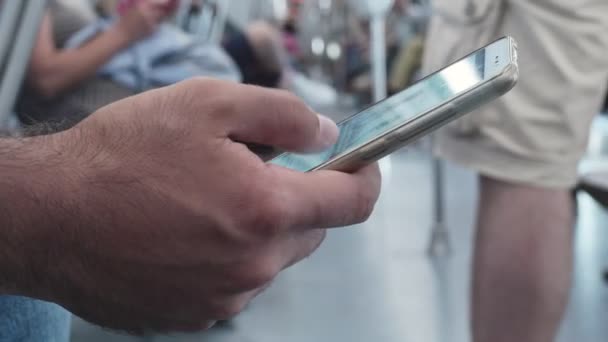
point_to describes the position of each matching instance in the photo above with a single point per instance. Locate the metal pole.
(10, 12)
(378, 37)
(19, 56)
(378, 42)
(219, 26)
(439, 243)
(439, 184)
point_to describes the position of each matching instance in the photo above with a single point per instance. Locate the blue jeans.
(28, 320)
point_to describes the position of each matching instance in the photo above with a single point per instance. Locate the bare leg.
(523, 262)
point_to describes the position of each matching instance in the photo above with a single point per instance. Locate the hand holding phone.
(432, 102)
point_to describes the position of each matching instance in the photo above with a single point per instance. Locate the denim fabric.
(28, 320)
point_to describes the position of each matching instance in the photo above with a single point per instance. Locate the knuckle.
(195, 86)
(205, 95)
(294, 103)
(221, 107)
(269, 215)
(294, 116)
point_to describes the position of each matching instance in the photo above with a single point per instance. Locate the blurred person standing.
(526, 148)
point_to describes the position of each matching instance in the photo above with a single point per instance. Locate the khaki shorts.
(536, 134)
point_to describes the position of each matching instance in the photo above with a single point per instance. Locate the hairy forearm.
(32, 176)
(68, 68)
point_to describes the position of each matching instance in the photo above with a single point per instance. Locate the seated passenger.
(63, 84)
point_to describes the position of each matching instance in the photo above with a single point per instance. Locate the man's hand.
(158, 218)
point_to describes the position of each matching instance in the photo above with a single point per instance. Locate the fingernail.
(328, 131)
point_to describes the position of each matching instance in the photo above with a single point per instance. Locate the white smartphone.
(381, 129)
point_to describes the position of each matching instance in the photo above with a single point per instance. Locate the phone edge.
(434, 119)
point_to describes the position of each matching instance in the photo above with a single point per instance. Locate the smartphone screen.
(411, 103)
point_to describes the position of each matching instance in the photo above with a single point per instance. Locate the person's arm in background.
(53, 70)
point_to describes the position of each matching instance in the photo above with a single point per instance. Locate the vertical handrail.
(378, 58)
(439, 241)
(439, 210)
(378, 37)
(19, 57)
(219, 27)
(10, 12)
(206, 22)
(210, 22)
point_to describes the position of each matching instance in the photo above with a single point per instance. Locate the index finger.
(270, 117)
